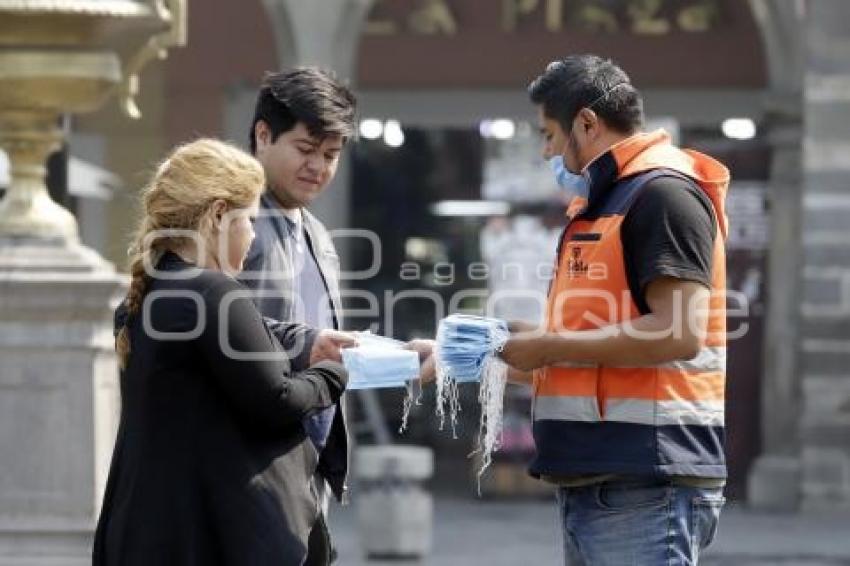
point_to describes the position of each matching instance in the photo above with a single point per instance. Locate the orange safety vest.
(662, 420)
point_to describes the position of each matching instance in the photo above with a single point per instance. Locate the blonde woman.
(212, 465)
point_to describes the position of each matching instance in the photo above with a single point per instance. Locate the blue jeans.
(637, 523)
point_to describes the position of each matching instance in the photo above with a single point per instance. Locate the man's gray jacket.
(269, 271)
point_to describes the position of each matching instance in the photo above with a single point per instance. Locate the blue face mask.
(379, 362)
(574, 185)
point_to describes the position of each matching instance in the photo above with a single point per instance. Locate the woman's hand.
(328, 344)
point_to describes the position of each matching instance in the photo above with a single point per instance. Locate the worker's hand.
(523, 327)
(327, 345)
(517, 326)
(427, 363)
(524, 353)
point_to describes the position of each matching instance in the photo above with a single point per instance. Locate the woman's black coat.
(211, 464)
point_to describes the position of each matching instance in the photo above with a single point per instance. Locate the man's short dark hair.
(582, 81)
(305, 94)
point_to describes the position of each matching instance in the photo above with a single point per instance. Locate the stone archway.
(780, 23)
(774, 480)
(806, 393)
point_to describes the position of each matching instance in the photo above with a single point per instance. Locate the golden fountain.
(67, 56)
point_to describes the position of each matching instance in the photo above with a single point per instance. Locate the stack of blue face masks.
(379, 362)
(465, 342)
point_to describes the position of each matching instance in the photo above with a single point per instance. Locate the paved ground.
(471, 532)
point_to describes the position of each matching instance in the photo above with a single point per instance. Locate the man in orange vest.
(629, 371)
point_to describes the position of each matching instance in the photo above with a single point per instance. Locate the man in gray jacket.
(302, 120)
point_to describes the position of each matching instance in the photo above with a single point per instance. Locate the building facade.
(443, 71)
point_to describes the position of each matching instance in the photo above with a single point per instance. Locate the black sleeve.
(247, 365)
(296, 339)
(669, 231)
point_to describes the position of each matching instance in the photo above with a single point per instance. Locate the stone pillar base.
(45, 544)
(826, 479)
(58, 398)
(774, 483)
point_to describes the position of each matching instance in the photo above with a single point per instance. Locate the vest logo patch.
(576, 266)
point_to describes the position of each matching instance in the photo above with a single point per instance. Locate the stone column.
(825, 305)
(806, 390)
(58, 398)
(58, 382)
(774, 481)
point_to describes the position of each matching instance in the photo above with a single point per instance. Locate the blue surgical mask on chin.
(572, 184)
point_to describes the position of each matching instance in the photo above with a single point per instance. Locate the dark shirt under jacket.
(211, 465)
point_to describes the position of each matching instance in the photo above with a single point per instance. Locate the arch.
(281, 24)
(779, 23)
(321, 33)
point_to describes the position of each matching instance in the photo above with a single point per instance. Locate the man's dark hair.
(305, 94)
(588, 81)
